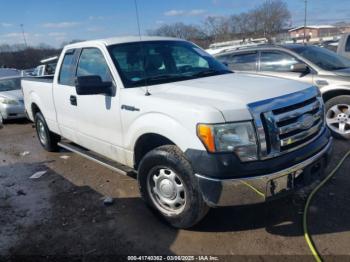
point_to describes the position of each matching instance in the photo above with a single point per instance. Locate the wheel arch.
(146, 143)
(334, 92)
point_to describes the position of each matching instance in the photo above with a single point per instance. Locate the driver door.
(98, 116)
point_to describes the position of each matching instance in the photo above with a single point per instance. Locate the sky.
(55, 21)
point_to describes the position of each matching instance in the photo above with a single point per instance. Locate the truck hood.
(13, 94)
(229, 93)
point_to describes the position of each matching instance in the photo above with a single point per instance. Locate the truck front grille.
(289, 122)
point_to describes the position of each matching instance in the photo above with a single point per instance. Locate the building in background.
(313, 31)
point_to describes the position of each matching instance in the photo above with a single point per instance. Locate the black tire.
(171, 157)
(50, 143)
(339, 100)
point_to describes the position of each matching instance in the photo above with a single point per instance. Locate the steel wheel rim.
(167, 190)
(338, 119)
(41, 132)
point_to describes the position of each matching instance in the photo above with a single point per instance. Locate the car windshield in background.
(9, 72)
(157, 62)
(10, 84)
(324, 58)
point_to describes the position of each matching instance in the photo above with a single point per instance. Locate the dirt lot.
(62, 213)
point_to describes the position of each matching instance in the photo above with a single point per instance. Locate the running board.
(119, 168)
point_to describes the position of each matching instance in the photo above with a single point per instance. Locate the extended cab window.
(93, 63)
(243, 62)
(67, 73)
(276, 61)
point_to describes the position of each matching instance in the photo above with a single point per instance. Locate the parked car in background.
(344, 46)
(194, 133)
(11, 99)
(9, 72)
(47, 67)
(310, 64)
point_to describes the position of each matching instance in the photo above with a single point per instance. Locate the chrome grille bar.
(286, 123)
(297, 125)
(301, 136)
(297, 112)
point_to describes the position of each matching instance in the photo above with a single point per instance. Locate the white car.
(11, 99)
(196, 134)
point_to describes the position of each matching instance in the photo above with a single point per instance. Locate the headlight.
(233, 137)
(8, 101)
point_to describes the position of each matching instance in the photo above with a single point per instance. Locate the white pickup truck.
(195, 134)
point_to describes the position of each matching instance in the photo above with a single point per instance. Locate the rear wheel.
(167, 183)
(47, 139)
(338, 116)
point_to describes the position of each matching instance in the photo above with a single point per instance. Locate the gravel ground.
(62, 215)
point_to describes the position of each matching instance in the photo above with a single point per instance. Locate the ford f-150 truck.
(195, 134)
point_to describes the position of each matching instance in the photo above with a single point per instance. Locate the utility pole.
(305, 22)
(24, 36)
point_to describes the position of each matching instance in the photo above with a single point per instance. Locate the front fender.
(157, 123)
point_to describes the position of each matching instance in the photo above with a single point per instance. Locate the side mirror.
(92, 85)
(300, 68)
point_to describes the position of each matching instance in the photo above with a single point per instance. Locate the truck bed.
(37, 92)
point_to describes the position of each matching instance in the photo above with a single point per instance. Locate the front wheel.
(167, 183)
(47, 139)
(338, 116)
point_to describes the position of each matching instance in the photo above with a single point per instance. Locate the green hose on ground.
(308, 201)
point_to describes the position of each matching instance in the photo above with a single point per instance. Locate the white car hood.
(13, 94)
(229, 93)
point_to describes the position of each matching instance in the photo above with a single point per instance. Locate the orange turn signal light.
(205, 134)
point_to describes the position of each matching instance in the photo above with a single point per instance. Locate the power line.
(305, 21)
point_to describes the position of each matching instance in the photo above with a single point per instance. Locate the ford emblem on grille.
(306, 121)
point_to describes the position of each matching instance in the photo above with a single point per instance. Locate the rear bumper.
(258, 189)
(12, 111)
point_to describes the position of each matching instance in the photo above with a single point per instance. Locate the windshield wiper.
(210, 72)
(161, 78)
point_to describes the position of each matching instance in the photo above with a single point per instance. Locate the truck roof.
(124, 39)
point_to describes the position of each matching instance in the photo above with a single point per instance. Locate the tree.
(273, 16)
(179, 30)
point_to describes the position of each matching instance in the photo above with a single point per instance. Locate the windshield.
(324, 58)
(157, 62)
(10, 84)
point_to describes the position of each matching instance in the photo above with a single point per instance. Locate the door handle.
(73, 100)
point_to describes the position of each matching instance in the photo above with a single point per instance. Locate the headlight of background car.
(233, 137)
(8, 101)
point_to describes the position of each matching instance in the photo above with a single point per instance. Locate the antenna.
(24, 36)
(147, 93)
(137, 18)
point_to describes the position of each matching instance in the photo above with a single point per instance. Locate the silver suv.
(311, 64)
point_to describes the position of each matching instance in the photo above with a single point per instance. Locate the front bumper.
(12, 111)
(258, 189)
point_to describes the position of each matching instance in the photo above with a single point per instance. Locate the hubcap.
(41, 132)
(166, 190)
(338, 119)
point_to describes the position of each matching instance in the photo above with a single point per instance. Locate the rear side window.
(276, 61)
(93, 63)
(347, 45)
(67, 73)
(243, 62)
